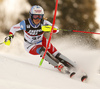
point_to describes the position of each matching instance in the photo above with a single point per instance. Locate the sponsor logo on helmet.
(38, 11)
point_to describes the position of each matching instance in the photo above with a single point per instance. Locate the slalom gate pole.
(50, 33)
(80, 31)
(85, 32)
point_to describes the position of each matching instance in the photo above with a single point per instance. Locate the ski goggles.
(37, 16)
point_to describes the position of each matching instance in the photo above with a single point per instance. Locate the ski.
(72, 74)
(82, 78)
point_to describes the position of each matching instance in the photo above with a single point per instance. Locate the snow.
(22, 71)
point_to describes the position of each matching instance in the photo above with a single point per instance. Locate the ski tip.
(84, 78)
(72, 74)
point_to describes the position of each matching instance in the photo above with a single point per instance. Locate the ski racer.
(35, 42)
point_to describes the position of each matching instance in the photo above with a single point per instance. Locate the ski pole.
(50, 34)
(1, 43)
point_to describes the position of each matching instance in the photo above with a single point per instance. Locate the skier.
(35, 42)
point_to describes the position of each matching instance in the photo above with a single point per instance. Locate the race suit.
(33, 36)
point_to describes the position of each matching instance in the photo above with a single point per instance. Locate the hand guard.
(47, 28)
(8, 39)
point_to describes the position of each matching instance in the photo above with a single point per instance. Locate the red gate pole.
(50, 33)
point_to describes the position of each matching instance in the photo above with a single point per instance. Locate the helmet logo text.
(38, 11)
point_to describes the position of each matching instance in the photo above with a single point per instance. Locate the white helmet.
(36, 10)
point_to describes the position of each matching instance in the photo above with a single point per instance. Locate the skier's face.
(36, 21)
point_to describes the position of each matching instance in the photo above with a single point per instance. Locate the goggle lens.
(37, 16)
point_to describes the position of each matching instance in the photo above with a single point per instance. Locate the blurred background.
(82, 15)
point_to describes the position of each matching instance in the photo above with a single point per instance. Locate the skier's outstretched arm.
(14, 28)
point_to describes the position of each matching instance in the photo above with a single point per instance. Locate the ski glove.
(8, 39)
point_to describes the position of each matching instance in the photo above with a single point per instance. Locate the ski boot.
(72, 67)
(54, 61)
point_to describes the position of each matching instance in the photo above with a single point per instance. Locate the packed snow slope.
(19, 70)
